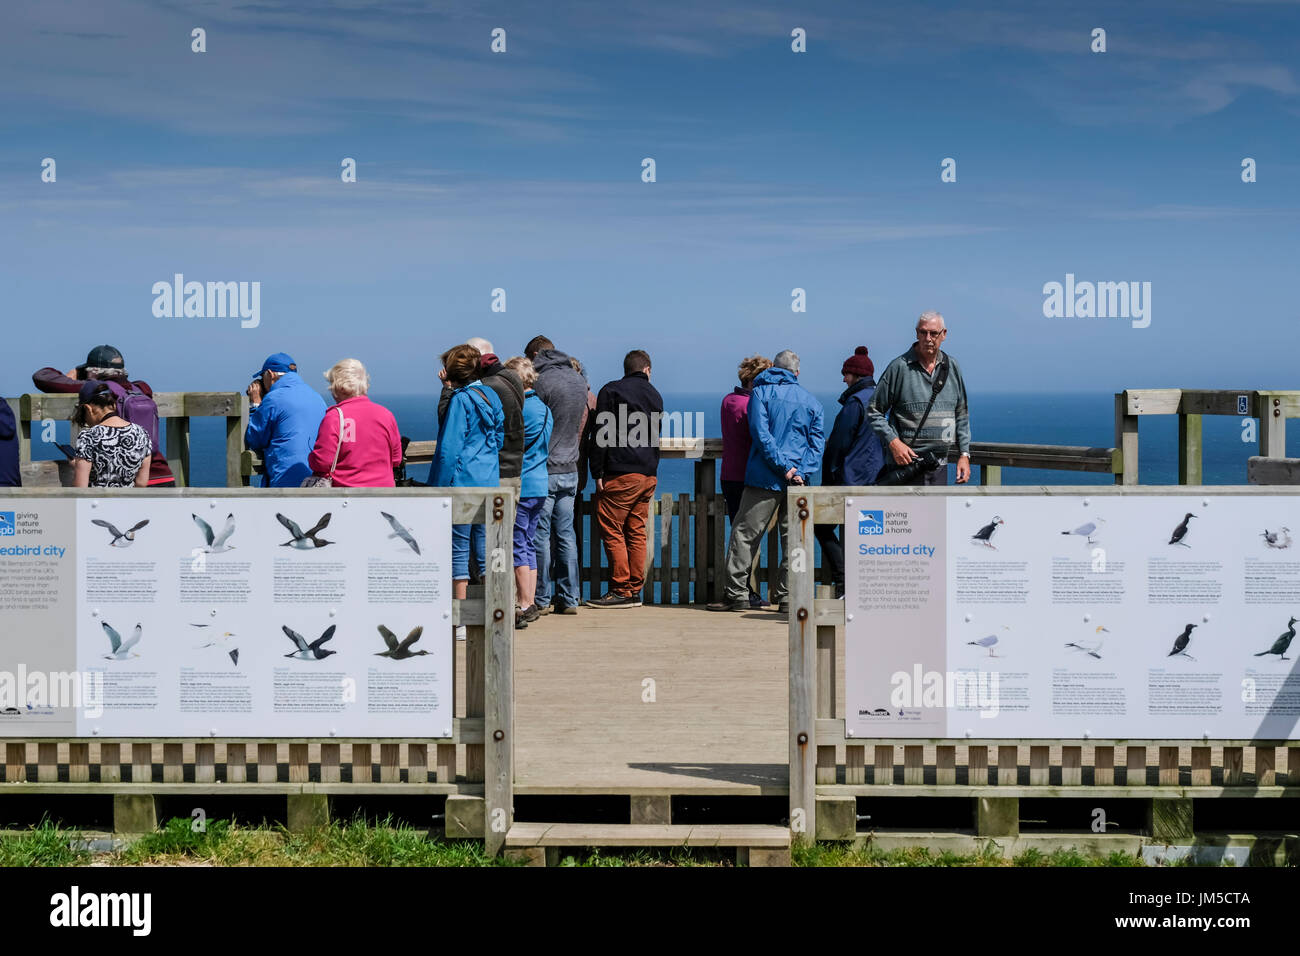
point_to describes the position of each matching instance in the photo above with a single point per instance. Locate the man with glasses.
(907, 389)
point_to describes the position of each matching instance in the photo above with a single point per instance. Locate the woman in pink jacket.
(735, 451)
(358, 444)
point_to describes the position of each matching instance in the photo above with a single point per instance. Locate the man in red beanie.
(854, 454)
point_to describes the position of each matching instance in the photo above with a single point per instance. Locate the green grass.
(386, 844)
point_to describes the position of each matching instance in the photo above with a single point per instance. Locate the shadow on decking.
(765, 775)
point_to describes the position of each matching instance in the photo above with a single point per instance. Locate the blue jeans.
(463, 538)
(557, 546)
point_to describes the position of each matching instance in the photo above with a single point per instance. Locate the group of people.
(532, 423)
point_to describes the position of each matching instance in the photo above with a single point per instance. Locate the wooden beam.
(1189, 449)
(1126, 441)
(1273, 471)
(803, 668)
(498, 675)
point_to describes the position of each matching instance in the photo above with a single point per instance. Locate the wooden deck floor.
(717, 723)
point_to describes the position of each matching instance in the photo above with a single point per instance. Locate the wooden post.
(1272, 425)
(236, 425)
(1126, 441)
(23, 415)
(499, 689)
(666, 549)
(178, 449)
(1189, 449)
(803, 668)
(990, 474)
(706, 487)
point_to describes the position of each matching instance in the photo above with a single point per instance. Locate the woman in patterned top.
(110, 451)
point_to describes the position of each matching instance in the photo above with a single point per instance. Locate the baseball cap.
(88, 389)
(279, 362)
(103, 356)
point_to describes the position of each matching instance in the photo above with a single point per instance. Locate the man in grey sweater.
(565, 393)
(904, 391)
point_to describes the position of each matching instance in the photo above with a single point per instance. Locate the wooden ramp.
(656, 700)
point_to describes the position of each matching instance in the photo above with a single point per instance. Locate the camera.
(906, 474)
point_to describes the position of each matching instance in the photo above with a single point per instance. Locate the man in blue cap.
(284, 416)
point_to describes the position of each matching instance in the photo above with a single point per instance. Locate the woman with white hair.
(358, 444)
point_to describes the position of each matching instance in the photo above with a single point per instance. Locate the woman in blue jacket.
(533, 488)
(469, 443)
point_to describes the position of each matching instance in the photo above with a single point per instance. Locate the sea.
(1085, 419)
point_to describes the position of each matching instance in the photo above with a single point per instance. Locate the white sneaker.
(460, 632)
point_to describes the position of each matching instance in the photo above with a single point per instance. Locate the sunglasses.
(926, 333)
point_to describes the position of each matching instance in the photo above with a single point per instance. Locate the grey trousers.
(757, 506)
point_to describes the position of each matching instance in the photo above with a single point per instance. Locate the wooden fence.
(308, 771)
(829, 770)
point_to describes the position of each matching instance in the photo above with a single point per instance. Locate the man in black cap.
(105, 363)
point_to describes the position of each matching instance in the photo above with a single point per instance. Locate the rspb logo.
(6, 523)
(871, 522)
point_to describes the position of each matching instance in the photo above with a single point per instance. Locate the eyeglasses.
(926, 333)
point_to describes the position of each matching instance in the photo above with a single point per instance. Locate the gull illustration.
(309, 652)
(1089, 647)
(216, 543)
(400, 652)
(990, 641)
(1281, 538)
(1282, 643)
(121, 648)
(121, 539)
(1181, 531)
(400, 532)
(984, 535)
(1181, 642)
(1087, 530)
(304, 541)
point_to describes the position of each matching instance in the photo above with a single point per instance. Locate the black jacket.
(511, 392)
(626, 436)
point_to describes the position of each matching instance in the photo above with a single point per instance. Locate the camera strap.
(940, 380)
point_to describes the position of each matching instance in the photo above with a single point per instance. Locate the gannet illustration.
(400, 652)
(121, 648)
(309, 652)
(1282, 643)
(1087, 530)
(1181, 642)
(984, 535)
(223, 640)
(400, 532)
(216, 543)
(121, 539)
(1281, 538)
(1091, 648)
(234, 656)
(1181, 531)
(304, 541)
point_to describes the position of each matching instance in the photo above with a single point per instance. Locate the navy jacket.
(9, 476)
(854, 455)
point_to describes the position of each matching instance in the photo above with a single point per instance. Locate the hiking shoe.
(783, 608)
(613, 600)
(729, 606)
(543, 609)
(521, 622)
(755, 601)
(566, 609)
(531, 613)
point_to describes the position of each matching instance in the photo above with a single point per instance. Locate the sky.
(774, 170)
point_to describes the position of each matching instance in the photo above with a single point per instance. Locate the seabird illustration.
(1181, 531)
(400, 532)
(121, 648)
(985, 534)
(223, 641)
(1091, 648)
(1281, 538)
(989, 641)
(400, 652)
(121, 539)
(1181, 642)
(304, 541)
(1087, 530)
(1282, 643)
(234, 656)
(216, 543)
(309, 652)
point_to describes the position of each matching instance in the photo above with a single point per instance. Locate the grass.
(386, 844)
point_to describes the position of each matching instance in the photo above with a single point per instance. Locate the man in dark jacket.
(104, 363)
(624, 461)
(9, 475)
(854, 455)
(564, 391)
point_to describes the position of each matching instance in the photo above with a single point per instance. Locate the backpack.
(137, 408)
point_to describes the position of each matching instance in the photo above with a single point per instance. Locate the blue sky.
(775, 170)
